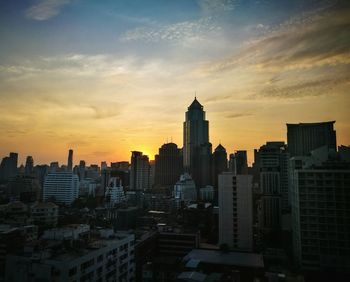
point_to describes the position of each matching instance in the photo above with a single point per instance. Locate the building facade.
(62, 187)
(236, 211)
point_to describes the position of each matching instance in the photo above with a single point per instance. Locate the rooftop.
(195, 105)
(229, 258)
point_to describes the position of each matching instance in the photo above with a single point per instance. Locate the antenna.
(195, 94)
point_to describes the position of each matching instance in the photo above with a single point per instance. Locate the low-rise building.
(45, 214)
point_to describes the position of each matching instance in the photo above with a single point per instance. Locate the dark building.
(82, 170)
(70, 160)
(24, 188)
(197, 149)
(8, 166)
(219, 164)
(29, 168)
(168, 165)
(241, 162)
(272, 162)
(139, 171)
(302, 138)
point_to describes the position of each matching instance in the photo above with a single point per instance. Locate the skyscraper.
(29, 165)
(272, 161)
(236, 211)
(219, 164)
(70, 160)
(139, 172)
(241, 162)
(302, 138)
(168, 165)
(8, 167)
(196, 148)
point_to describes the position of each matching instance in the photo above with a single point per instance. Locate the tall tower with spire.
(196, 147)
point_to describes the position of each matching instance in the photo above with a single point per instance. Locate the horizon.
(105, 79)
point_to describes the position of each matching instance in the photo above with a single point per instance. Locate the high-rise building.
(70, 160)
(139, 172)
(82, 170)
(241, 162)
(321, 211)
(236, 211)
(196, 148)
(232, 163)
(54, 167)
(61, 187)
(8, 166)
(184, 190)
(272, 161)
(219, 164)
(168, 165)
(29, 165)
(302, 138)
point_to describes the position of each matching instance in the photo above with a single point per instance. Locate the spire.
(195, 105)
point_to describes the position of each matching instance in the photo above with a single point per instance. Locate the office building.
(61, 187)
(168, 165)
(321, 211)
(219, 164)
(241, 162)
(139, 172)
(70, 160)
(45, 214)
(302, 138)
(236, 211)
(197, 149)
(114, 192)
(272, 161)
(29, 168)
(184, 190)
(8, 166)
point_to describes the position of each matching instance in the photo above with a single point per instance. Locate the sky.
(108, 77)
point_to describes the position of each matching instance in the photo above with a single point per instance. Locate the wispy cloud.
(215, 6)
(237, 115)
(177, 32)
(46, 9)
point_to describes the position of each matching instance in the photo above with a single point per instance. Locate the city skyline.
(98, 78)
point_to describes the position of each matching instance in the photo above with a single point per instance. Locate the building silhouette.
(139, 172)
(29, 168)
(219, 164)
(168, 165)
(272, 161)
(302, 138)
(70, 160)
(197, 149)
(8, 166)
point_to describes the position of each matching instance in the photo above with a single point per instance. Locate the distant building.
(219, 165)
(54, 167)
(236, 211)
(61, 187)
(168, 165)
(82, 170)
(241, 162)
(185, 190)
(45, 214)
(197, 149)
(24, 188)
(321, 211)
(70, 160)
(302, 138)
(69, 232)
(114, 192)
(29, 168)
(272, 161)
(8, 166)
(139, 172)
(207, 193)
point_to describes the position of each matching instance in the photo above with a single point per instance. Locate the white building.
(236, 211)
(63, 187)
(70, 232)
(106, 259)
(115, 192)
(185, 190)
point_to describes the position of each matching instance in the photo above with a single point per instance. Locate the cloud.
(46, 9)
(238, 115)
(215, 6)
(178, 32)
